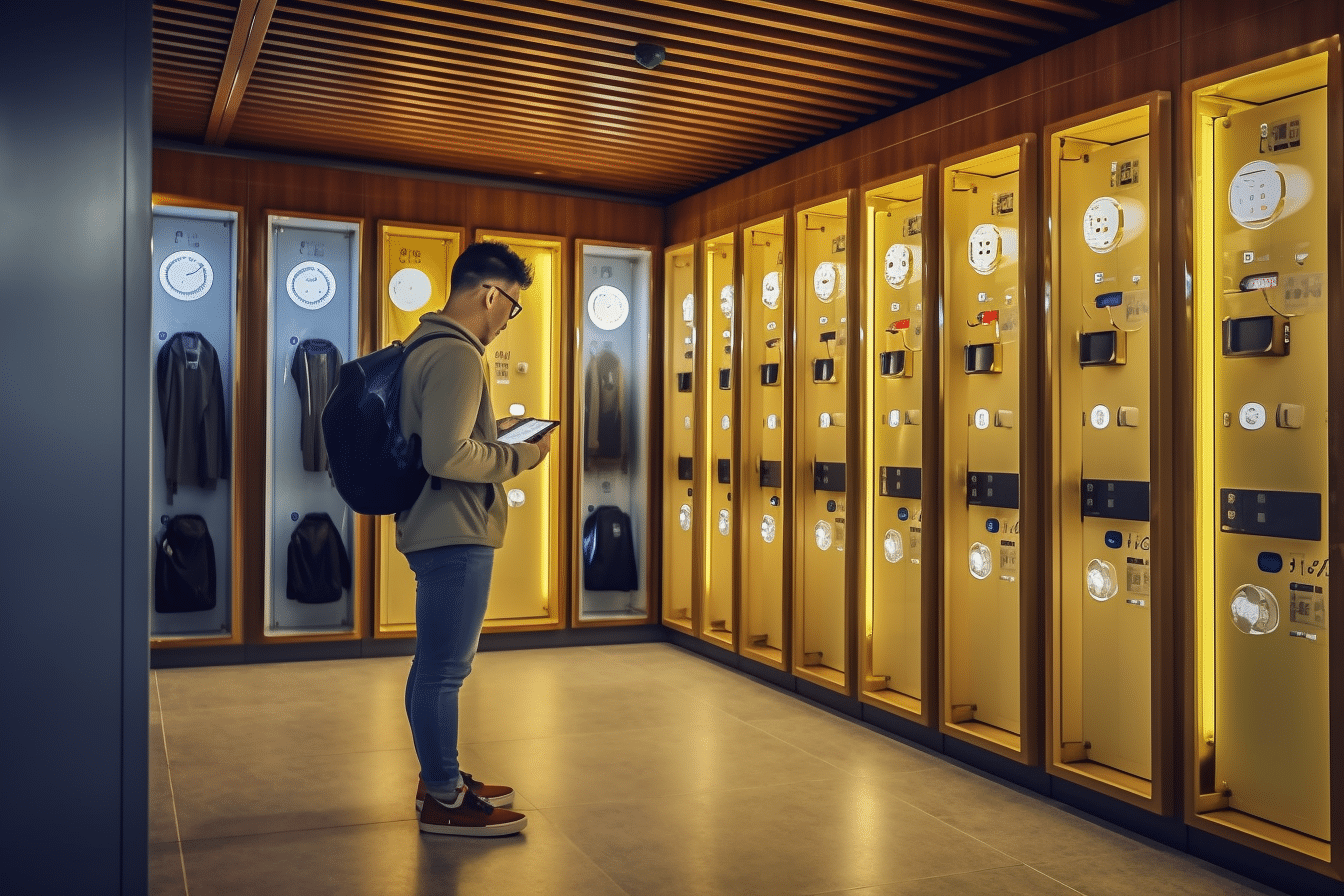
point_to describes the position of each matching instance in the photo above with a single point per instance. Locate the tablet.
(525, 429)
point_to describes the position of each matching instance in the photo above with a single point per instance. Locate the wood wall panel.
(1201, 16)
(266, 186)
(1263, 33)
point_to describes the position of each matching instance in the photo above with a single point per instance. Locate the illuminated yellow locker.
(1266, 195)
(898, 646)
(719, 373)
(414, 265)
(526, 379)
(679, 438)
(1107, 185)
(765, 561)
(991, 611)
(823, 612)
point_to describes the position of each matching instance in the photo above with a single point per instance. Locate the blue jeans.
(452, 585)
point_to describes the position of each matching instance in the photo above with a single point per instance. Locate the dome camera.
(649, 55)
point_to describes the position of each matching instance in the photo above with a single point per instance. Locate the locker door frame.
(691, 625)
(1160, 412)
(650, 574)
(1202, 806)
(926, 713)
(564, 446)
(1030, 442)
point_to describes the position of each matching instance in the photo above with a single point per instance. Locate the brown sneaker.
(471, 817)
(494, 794)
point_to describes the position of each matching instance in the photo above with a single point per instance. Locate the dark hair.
(489, 260)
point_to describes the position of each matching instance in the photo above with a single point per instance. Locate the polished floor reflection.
(643, 769)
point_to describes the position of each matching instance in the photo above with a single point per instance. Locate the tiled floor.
(643, 770)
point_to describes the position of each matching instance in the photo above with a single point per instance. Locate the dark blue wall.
(75, 156)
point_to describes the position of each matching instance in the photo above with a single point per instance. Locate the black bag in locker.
(609, 551)
(319, 567)
(184, 567)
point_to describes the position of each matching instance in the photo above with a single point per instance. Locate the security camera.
(649, 55)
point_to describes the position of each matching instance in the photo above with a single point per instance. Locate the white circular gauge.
(824, 280)
(1102, 581)
(770, 290)
(409, 289)
(1252, 415)
(311, 285)
(1103, 223)
(982, 418)
(894, 418)
(984, 248)
(772, 421)
(688, 308)
(822, 533)
(1256, 195)
(893, 547)
(725, 422)
(186, 275)
(608, 307)
(897, 269)
(768, 528)
(723, 522)
(726, 301)
(1100, 417)
(516, 497)
(982, 563)
(1255, 610)
(684, 517)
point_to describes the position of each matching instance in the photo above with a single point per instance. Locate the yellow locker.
(679, 438)
(764, 462)
(718, 266)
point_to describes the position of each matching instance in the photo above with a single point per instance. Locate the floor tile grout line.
(172, 793)
(581, 851)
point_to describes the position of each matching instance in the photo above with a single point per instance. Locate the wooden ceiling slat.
(1004, 11)
(561, 53)
(935, 15)
(249, 33)
(487, 111)
(490, 85)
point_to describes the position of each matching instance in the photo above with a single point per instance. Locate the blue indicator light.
(1110, 300)
(1114, 539)
(1268, 561)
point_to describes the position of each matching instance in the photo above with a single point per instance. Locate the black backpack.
(184, 568)
(609, 551)
(376, 469)
(318, 568)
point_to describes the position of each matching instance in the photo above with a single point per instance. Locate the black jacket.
(191, 407)
(315, 367)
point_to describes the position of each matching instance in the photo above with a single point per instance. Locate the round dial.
(1252, 415)
(822, 533)
(516, 497)
(772, 421)
(186, 275)
(1102, 580)
(688, 308)
(824, 280)
(1100, 417)
(984, 248)
(982, 562)
(409, 289)
(726, 301)
(608, 307)
(1103, 223)
(770, 290)
(723, 522)
(893, 548)
(684, 517)
(726, 422)
(311, 285)
(898, 263)
(768, 528)
(1255, 610)
(1256, 195)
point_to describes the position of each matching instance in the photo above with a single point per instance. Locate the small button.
(1289, 416)
(991, 525)
(1128, 416)
(1114, 539)
(913, 417)
(1004, 419)
(1268, 561)
(902, 514)
(830, 507)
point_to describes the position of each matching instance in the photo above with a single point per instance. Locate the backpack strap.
(435, 483)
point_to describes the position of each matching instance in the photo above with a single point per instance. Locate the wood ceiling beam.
(998, 10)
(249, 32)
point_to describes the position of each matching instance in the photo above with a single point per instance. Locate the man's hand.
(544, 443)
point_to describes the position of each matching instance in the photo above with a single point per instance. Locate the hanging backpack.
(318, 567)
(184, 567)
(609, 551)
(375, 468)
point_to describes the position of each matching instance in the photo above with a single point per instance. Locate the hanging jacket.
(606, 425)
(319, 568)
(314, 369)
(184, 566)
(609, 551)
(191, 408)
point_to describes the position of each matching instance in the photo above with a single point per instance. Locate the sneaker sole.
(494, 830)
(499, 802)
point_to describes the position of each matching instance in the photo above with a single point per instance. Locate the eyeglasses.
(516, 310)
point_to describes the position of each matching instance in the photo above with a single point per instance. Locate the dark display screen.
(1273, 514)
(991, 489)
(980, 358)
(1115, 499)
(1095, 349)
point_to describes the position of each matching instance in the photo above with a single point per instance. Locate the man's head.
(484, 289)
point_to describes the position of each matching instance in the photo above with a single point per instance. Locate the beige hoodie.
(444, 400)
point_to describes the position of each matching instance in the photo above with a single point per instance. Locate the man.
(450, 534)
